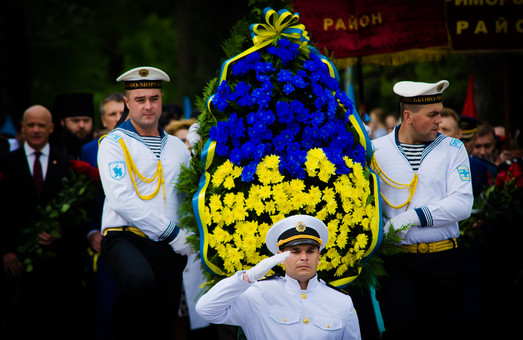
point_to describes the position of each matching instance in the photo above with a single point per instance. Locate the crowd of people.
(128, 272)
(71, 294)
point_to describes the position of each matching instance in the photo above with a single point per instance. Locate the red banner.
(352, 28)
(485, 24)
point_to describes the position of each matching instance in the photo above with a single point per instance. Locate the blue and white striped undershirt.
(413, 153)
(154, 143)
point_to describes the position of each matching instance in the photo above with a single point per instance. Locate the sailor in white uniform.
(295, 306)
(143, 248)
(426, 190)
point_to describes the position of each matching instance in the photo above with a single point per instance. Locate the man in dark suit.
(31, 176)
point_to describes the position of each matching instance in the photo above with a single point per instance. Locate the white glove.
(192, 136)
(258, 271)
(407, 219)
(368, 129)
(180, 245)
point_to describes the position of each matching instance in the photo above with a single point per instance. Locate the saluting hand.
(259, 270)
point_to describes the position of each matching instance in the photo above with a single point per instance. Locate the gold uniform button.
(305, 321)
(303, 296)
(284, 320)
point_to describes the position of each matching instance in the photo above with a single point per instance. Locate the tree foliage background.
(50, 47)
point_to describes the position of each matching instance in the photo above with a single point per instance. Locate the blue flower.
(261, 97)
(263, 67)
(284, 75)
(284, 112)
(286, 50)
(240, 67)
(236, 126)
(288, 88)
(235, 157)
(262, 77)
(220, 98)
(317, 118)
(299, 79)
(242, 89)
(359, 154)
(219, 133)
(249, 171)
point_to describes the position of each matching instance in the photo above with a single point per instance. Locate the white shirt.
(279, 309)
(44, 158)
(443, 195)
(122, 206)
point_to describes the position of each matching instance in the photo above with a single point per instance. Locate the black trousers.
(419, 296)
(149, 276)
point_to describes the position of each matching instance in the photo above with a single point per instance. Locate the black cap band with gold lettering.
(143, 84)
(421, 100)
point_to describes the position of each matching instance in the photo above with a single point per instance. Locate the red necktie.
(37, 173)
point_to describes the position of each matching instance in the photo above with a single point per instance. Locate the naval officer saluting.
(143, 248)
(296, 306)
(425, 188)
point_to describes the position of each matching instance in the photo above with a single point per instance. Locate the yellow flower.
(326, 171)
(342, 268)
(270, 207)
(265, 191)
(272, 161)
(276, 218)
(215, 203)
(249, 243)
(332, 228)
(226, 173)
(262, 229)
(333, 254)
(361, 242)
(228, 216)
(314, 195)
(341, 239)
(312, 162)
(268, 170)
(228, 183)
(220, 235)
(229, 199)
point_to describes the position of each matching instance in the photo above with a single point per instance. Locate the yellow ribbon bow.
(277, 23)
(281, 22)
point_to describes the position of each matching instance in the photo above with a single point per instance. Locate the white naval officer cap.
(419, 93)
(143, 77)
(297, 229)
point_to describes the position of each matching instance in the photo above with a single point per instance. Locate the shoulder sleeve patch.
(464, 173)
(117, 169)
(114, 136)
(456, 143)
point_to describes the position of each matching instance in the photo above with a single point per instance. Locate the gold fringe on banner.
(396, 58)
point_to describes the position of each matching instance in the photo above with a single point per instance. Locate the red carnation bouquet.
(501, 201)
(68, 209)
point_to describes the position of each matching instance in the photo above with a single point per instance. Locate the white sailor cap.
(143, 77)
(417, 93)
(297, 229)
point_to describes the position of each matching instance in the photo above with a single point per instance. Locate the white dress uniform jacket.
(278, 308)
(122, 207)
(443, 195)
